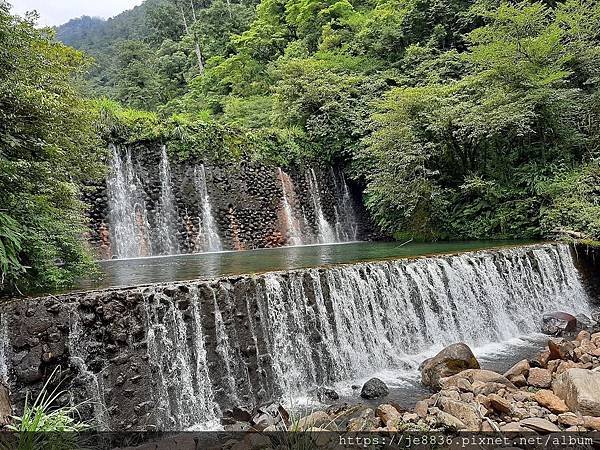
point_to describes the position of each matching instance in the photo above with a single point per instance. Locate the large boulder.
(374, 388)
(477, 378)
(450, 361)
(580, 390)
(557, 323)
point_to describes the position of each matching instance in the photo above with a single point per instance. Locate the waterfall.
(351, 321)
(290, 221)
(3, 349)
(127, 209)
(346, 223)
(326, 234)
(184, 394)
(166, 216)
(209, 239)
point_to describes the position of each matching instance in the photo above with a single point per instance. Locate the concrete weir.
(170, 356)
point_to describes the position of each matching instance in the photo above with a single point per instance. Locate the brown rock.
(466, 413)
(580, 390)
(520, 368)
(583, 335)
(387, 413)
(421, 408)
(541, 378)
(449, 421)
(539, 424)
(570, 419)
(560, 349)
(499, 404)
(552, 365)
(450, 361)
(474, 376)
(548, 400)
(591, 422)
(565, 365)
(512, 427)
(519, 381)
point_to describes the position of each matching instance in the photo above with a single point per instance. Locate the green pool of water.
(139, 271)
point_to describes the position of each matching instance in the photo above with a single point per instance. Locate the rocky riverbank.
(556, 390)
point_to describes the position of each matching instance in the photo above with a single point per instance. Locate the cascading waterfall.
(326, 234)
(176, 346)
(382, 312)
(93, 382)
(291, 223)
(130, 236)
(209, 239)
(3, 349)
(166, 216)
(346, 223)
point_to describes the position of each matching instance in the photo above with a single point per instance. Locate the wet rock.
(557, 323)
(325, 395)
(238, 414)
(547, 399)
(541, 378)
(374, 388)
(580, 390)
(539, 424)
(450, 361)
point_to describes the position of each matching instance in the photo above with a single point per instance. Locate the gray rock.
(557, 323)
(374, 388)
(539, 424)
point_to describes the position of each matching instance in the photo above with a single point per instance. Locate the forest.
(467, 119)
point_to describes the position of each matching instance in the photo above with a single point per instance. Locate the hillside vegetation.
(462, 119)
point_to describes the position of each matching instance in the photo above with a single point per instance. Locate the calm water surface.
(128, 272)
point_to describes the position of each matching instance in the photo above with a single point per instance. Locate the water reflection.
(138, 271)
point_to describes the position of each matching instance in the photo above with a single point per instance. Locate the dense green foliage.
(464, 119)
(47, 148)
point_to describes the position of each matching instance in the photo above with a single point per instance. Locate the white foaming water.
(184, 393)
(129, 229)
(3, 349)
(291, 223)
(326, 232)
(209, 235)
(166, 216)
(346, 223)
(384, 312)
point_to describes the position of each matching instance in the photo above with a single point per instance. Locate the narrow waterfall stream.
(166, 216)
(208, 239)
(326, 234)
(3, 352)
(130, 235)
(346, 222)
(291, 223)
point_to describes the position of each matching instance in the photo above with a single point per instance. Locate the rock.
(591, 422)
(466, 413)
(583, 335)
(315, 419)
(450, 361)
(580, 390)
(253, 441)
(374, 388)
(410, 417)
(478, 378)
(541, 378)
(560, 349)
(238, 414)
(539, 424)
(270, 414)
(570, 419)
(541, 360)
(520, 368)
(566, 365)
(519, 380)
(325, 395)
(5, 406)
(557, 323)
(363, 424)
(512, 427)
(387, 413)
(421, 408)
(499, 404)
(547, 399)
(448, 421)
